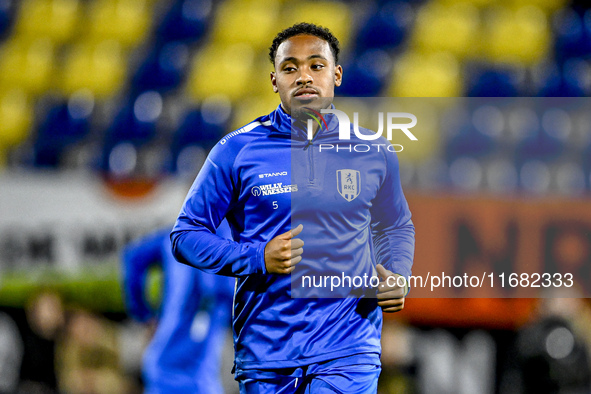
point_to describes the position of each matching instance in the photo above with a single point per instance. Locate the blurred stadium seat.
(222, 70)
(6, 17)
(385, 29)
(101, 68)
(164, 68)
(570, 79)
(55, 19)
(248, 110)
(487, 81)
(426, 75)
(572, 34)
(133, 128)
(27, 64)
(504, 25)
(196, 50)
(231, 15)
(545, 5)
(67, 124)
(537, 156)
(186, 20)
(367, 74)
(334, 15)
(16, 113)
(453, 28)
(199, 131)
(125, 21)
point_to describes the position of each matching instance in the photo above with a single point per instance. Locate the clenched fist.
(390, 294)
(284, 251)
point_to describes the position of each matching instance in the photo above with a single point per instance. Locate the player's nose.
(304, 78)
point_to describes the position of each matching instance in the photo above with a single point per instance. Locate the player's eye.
(317, 66)
(288, 68)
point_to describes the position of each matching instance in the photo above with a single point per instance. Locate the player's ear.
(274, 82)
(338, 75)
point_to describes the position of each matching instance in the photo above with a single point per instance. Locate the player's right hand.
(283, 252)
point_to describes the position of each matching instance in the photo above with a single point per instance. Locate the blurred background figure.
(184, 355)
(45, 316)
(88, 356)
(11, 354)
(551, 354)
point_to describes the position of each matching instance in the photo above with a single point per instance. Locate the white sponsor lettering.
(269, 175)
(273, 188)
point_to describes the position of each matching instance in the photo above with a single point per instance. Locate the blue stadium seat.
(469, 143)
(572, 32)
(202, 128)
(163, 69)
(566, 80)
(134, 127)
(187, 20)
(6, 17)
(492, 82)
(367, 75)
(386, 28)
(534, 158)
(66, 124)
(539, 146)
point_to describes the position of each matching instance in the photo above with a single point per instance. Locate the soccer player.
(184, 356)
(267, 175)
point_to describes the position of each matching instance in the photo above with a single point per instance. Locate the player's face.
(305, 73)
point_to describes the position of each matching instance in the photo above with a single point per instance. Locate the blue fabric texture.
(184, 355)
(266, 178)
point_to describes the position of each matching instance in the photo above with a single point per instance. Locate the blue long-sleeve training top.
(267, 178)
(184, 356)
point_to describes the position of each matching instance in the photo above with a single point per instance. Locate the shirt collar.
(282, 121)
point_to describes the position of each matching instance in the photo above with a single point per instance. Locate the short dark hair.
(305, 28)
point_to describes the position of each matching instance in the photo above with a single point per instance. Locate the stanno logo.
(348, 184)
(269, 175)
(272, 188)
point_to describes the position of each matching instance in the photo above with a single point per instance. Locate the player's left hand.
(390, 295)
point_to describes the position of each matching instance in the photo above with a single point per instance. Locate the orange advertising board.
(497, 257)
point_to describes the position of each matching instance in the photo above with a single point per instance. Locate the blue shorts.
(351, 375)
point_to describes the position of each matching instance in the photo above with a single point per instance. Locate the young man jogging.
(269, 174)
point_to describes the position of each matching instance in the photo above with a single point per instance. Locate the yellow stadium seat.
(452, 28)
(426, 75)
(54, 19)
(16, 114)
(230, 23)
(251, 107)
(27, 65)
(331, 14)
(101, 68)
(227, 70)
(127, 21)
(545, 5)
(519, 36)
(477, 3)
(427, 130)
(262, 76)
